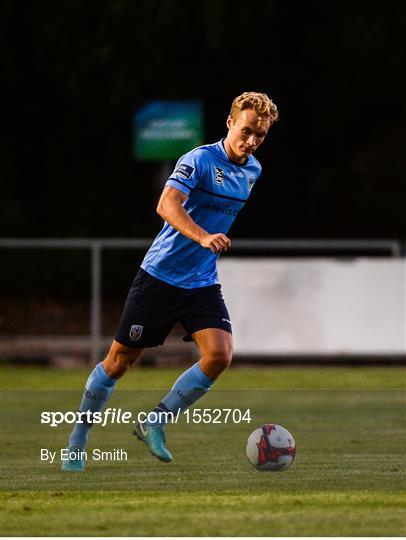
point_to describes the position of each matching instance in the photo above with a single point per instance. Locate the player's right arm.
(171, 210)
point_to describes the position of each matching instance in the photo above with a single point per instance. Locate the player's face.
(246, 132)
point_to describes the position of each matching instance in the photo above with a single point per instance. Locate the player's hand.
(216, 242)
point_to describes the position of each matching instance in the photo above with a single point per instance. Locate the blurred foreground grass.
(348, 477)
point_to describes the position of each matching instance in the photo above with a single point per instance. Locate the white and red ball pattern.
(271, 448)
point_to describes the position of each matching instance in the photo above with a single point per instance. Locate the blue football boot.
(154, 438)
(75, 461)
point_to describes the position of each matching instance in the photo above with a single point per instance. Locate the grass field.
(348, 478)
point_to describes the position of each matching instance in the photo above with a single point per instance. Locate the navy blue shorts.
(153, 307)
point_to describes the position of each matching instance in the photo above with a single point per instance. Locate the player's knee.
(220, 358)
(119, 359)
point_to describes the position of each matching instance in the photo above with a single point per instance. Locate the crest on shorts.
(136, 332)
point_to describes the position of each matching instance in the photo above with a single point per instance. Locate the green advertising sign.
(164, 130)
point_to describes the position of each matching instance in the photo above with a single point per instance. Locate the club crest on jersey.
(136, 332)
(251, 181)
(219, 176)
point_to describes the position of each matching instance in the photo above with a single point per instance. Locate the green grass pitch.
(348, 478)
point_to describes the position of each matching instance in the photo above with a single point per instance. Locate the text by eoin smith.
(64, 454)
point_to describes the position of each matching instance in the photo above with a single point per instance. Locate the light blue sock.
(188, 388)
(99, 387)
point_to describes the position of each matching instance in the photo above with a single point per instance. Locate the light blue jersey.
(217, 189)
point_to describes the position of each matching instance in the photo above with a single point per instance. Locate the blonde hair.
(260, 103)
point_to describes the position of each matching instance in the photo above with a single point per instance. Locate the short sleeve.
(187, 173)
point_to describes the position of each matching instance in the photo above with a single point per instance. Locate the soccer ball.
(271, 448)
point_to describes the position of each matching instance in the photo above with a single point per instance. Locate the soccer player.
(177, 281)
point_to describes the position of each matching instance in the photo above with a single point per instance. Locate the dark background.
(74, 72)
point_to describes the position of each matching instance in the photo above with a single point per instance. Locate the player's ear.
(230, 122)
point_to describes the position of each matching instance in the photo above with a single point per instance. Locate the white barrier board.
(320, 306)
